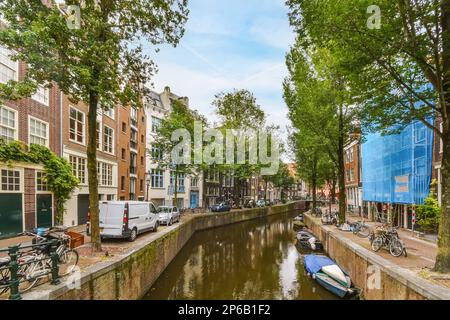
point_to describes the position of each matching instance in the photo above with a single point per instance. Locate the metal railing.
(13, 273)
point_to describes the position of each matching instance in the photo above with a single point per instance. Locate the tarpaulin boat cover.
(314, 263)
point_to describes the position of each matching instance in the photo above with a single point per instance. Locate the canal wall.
(131, 275)
(378, 278)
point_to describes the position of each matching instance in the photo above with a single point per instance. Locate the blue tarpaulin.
(397, 168)
(314, 264)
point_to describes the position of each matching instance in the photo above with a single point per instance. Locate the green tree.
(398, 63)
(319, 107)
(238, 110)
(174, 130)
(100, 63)
(283, 180)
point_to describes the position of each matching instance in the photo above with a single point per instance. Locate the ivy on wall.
(59, 176)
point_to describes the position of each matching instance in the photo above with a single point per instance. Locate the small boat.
(328, 274)
(309, 241)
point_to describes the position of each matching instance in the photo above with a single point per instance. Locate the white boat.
(337, 274)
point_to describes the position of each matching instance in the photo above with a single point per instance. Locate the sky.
(230, 44)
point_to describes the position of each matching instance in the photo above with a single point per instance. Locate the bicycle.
(39, 263)
(388, 239)
(361, 229)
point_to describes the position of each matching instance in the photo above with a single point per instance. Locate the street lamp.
(147, 182)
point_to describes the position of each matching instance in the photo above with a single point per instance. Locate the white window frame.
(83, 129)
(10, 64)
(47, 138)
(110, 113)
(77, 171)
(441, 143)
(21, 181)
(160, 179)
(16, 122)
(47, 191)
(46, 95)
(105, 145)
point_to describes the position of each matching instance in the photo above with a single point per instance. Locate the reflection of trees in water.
(241, 261)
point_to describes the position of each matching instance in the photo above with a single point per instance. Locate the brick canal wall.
(131, 275)
(378, 278)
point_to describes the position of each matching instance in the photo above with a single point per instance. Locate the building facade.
(353, 184)
(160, 182)
(24, 197)
(74, 138)
(132, 149)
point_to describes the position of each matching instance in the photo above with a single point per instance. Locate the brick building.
(74, 138)
(24, 197)
(353, 184)
(132, 153)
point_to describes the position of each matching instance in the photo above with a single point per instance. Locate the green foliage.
(428, 214)
(58, 171)
(283, 180)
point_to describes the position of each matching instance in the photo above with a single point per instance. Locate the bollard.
(54, 260)
(14, 270)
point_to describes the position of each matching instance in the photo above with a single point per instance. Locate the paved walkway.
(421, 253)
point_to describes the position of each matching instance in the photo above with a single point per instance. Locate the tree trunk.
(341, 174)
(333, 190)
(92, 172)
(443, 254)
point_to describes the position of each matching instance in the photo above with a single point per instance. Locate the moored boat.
(309, 241)
(329, 275)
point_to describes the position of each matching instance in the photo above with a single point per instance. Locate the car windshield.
(164, 210)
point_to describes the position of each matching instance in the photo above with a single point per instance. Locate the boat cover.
(314, 263)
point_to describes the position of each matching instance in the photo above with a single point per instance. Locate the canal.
(257, 259)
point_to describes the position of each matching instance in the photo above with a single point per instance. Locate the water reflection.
(257, 259)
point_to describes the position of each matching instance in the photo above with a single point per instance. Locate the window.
(10, 180)
(124, 127)
(109, 113)
(41, 181)
(99, 145)
(134, 116)
(156, 152)
(194, 182)
(76, 126)
(441, 143)
(141, 185)
(42, 95)
(108, 139)
(78, 168)
(157, 178)
(106, 174)
(38, 132)
(110, 197)
(142, 138)
(142, 161)
(132, 186)
(122, 183)
(8, 123)
(123, 154)
(156, 124)
(9, 69)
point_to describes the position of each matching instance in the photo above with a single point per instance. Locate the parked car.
(221, 207)
(168, 215)
(127, 219)
(250, 204)
(261, 203)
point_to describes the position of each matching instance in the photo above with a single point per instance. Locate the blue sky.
(230, 44)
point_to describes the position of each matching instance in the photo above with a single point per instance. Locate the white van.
(127, 219)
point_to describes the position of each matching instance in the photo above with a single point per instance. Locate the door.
(194, 200)
(44, 211)
(11, 217)
(83, 208)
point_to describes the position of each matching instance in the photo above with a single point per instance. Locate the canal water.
(257, 259)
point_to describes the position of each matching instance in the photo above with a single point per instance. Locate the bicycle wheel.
(363, 231)
(68, 261)
(27, 276)
(377, 243)
(396, 248)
